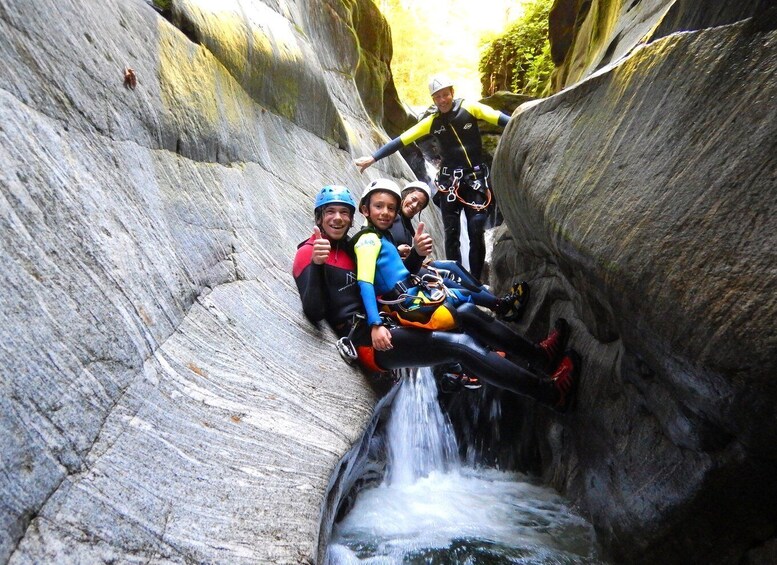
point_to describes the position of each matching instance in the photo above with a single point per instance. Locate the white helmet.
(377, 185)
(418, 185)
(439, 82)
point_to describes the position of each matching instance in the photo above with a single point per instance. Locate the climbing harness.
(345, 346)
(432, 292)
(476, 178)
(442, 274)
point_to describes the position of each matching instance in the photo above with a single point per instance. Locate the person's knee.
(468, 311)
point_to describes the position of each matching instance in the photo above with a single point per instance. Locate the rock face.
(586, 35)
(163, 399)
(641, 206)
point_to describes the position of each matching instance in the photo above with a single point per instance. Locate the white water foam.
(420, 437)
(429, 509)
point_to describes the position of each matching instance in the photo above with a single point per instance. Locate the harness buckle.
(387, 320)
(347, 350)
(345, 346)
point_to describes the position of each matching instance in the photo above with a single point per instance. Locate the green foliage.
(519, 60)
(418, 54)
(164, 5)
(431, 38)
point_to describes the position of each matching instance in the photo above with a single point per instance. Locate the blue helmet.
(334, 194)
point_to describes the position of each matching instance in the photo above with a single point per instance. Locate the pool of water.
(465, 516)
(430, 509)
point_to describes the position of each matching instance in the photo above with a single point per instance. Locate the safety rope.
(434, 290)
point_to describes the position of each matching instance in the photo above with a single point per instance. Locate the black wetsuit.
(329, 292)
(402, 233)
(461, 147)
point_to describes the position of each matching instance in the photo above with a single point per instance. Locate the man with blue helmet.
(324, 260)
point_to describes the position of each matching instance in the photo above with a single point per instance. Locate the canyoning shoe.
(453, 379)
(471, 383)
(454, 382)
(511, 306)
(553, 345)
(565, 379)
(448, 377)
(450, 383)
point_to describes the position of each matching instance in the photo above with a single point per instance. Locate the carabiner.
(346, 350)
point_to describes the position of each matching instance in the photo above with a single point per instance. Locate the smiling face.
(443, 99)
(381, 209)
(335, 221)
(414, 203)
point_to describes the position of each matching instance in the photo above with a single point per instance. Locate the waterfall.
(430, 508)
(420, 437)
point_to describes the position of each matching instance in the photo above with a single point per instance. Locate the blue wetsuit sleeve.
(503, 119)
(391, 147)
(370, 303)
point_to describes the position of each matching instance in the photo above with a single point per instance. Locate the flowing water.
(431, 509)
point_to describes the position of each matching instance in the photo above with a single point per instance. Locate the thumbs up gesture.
(321, 247)
(422, 241)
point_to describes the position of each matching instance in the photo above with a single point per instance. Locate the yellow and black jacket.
(456, 131)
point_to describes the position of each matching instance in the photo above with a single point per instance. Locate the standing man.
(462, 181)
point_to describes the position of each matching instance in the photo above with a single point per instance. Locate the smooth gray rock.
(586, 35)
(163, 398)
(641, 206)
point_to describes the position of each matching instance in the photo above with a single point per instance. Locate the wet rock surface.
(640, 207)
(163, 397)
(586, 35)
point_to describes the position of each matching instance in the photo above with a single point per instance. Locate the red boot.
(565, 379)
(553, 346)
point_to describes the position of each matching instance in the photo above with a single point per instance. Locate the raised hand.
(364, 162)
(422, 241)
(321, 247)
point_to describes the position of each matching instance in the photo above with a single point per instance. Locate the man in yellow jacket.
(463, 179)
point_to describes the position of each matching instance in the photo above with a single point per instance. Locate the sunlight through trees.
(443, 37)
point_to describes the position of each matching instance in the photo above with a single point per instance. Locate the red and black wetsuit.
(330, 292)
